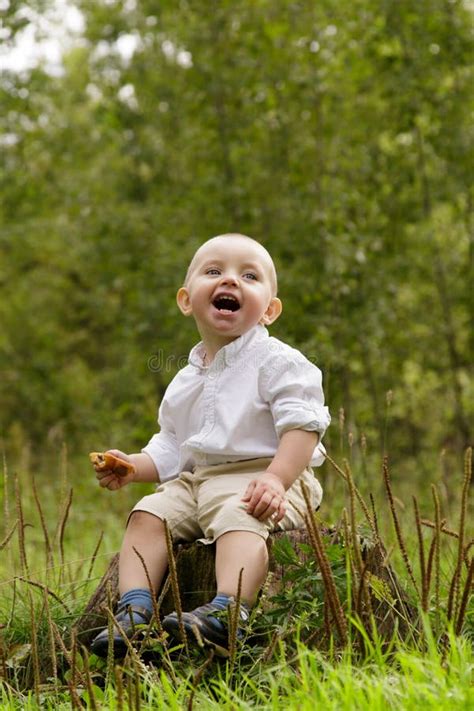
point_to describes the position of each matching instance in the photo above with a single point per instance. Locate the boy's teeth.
(226, 304)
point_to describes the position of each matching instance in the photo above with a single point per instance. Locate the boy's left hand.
(265, 497)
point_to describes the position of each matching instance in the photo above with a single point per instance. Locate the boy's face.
(230, 288)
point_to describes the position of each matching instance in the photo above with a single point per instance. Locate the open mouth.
(226, 303)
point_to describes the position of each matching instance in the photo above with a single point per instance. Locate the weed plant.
(340, 631)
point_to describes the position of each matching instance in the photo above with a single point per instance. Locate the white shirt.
(237, 408)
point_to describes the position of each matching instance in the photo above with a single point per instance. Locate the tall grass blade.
(113, 622)
(421, 554)
(94, 555)
(119, 688)
(359, 496)
(75, 671)
(234, 611)
(453, 604)
(46, 590)
(354, 539)
(396, 523)
(8, 537)
(52, 643)
(156, 616)
(62, 525)
(6, 501)
(110, 632)
(21, 528)
(156, 612)
(47, 542)
(136, 683)
(429, 566)
(92, 703)
(375, 518)
(465, 598)
(325, 568)
(173, 575)
(34, 649)
(350, 571)
(76, 702)
(437, 554)
(61, 644)
(443, 528)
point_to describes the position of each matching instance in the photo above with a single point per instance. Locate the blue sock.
(140, 597)
(222, 601)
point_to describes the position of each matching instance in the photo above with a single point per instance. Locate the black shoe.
(100, 643)
(207, 625)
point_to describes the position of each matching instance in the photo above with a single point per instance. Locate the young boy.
(240, 426)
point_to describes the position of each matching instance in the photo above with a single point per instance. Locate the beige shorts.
(206, 503)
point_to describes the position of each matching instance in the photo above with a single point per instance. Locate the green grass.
(305, 682)
(431, 667)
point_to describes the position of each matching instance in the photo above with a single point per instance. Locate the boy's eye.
(213, 270)
(250, 275)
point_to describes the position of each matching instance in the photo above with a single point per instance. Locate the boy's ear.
(274, 309)
(183, 301)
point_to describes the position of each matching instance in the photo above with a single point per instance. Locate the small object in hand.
(106, 461)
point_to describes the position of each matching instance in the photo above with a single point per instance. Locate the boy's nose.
(229, 279)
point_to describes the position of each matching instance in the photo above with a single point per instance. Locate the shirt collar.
(227, 354)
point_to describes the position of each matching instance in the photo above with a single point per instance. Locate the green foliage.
(299, 604)
(338, 134)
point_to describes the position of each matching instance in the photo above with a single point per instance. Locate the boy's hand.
(265, 497)
(119, 476)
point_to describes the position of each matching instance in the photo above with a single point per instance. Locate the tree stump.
(197, 584)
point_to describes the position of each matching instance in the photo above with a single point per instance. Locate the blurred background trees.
(337, 133)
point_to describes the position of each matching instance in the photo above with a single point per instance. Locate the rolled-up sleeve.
(293, 389)
(163, 447)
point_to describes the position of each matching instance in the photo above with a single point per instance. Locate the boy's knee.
(142, 520)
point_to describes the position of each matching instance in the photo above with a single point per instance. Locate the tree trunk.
(197, 584)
